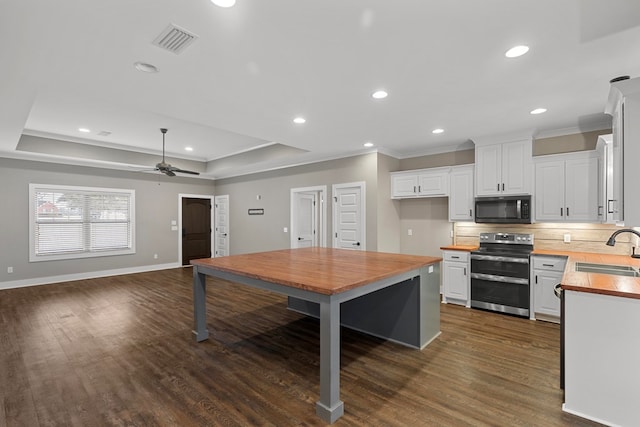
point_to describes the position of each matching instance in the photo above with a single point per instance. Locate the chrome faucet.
(612, 239)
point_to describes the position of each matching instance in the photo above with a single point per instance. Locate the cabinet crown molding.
(502, 138)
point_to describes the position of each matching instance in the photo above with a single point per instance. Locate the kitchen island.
(601, 322)
(401, 289)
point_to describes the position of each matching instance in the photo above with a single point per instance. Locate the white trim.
(322, 190)
(179, 230)
(363, 210)
(83, 276)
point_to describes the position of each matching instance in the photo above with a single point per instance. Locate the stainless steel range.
(500, 273)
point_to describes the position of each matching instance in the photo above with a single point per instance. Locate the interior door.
(196, 229)
(348, 216)
(221, 225)
(305, 223)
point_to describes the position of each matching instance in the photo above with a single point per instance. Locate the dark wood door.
(196, 229)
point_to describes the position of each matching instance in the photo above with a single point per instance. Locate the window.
(79, 222)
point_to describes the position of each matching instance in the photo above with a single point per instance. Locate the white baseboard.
(36, 281)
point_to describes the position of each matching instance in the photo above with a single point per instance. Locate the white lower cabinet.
(546, 273)
(455, 277)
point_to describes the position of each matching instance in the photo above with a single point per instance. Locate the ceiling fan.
(165, 167)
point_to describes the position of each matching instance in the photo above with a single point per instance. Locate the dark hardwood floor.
(119, 351)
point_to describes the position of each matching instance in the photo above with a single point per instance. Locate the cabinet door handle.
(548, 265)
(536, 279)
(498, 187)
(419, 188)
(470, 214)
(609, 206)
(567, 211)
(465, 271)
(456, 257)
(414, 188)
(560, 211)
(503, 186)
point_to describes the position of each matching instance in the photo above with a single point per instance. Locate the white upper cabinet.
(503, 169)
(432, 182)
(624, 106)
(461, 200)
(567, 187)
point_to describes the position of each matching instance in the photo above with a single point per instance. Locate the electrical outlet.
(9, 270)
(155, 256)
(567, 238)
(285, 229)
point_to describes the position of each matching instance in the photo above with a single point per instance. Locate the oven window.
(507, 294)
(500, 268)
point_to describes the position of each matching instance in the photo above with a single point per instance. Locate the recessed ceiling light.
(188, 148)
(380, 94)
(438, 130)
(224, 3)
(299, 120)
(145, 68)
(516, 51)
(84, 130)
(538, 111)
(368, 144)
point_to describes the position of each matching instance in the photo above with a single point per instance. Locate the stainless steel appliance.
(503, 210)
(500, 273)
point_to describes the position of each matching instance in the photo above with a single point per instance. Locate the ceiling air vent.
(174, 39)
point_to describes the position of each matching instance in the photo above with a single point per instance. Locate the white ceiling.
(69, 63)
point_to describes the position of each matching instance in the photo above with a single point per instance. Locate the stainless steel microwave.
(503, 210)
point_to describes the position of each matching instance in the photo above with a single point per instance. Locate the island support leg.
(329, 407)
(200, 331)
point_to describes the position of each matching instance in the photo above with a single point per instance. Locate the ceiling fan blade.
(168, 172)
(183, 171)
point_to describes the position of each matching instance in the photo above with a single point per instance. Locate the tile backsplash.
(584, 237)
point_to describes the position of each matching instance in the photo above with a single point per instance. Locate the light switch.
(409, 232)
(174, 222)
(174, 228)
(286, 230)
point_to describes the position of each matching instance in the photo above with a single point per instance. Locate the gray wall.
(156, 205)
(428, 220)
(255, 233)
(388, 226)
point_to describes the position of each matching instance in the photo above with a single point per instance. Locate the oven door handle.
(502, 279)
(499, 258)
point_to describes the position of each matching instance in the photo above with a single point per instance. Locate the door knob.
(356, 244)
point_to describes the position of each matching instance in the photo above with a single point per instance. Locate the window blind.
(76, 222)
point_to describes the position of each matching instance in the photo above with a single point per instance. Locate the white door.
(455, 280)
(581, 190)
(349, 216)
(221, 225)
(488, 169)
(550, 191)
(304, 233)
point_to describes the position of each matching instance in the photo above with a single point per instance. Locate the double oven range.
(500, 273)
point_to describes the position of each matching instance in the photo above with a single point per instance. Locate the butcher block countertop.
(323, 270)
(464, 248)
(605, 284)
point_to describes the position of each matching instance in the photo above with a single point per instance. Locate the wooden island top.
(326, 271)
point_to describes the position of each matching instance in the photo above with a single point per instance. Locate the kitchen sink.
(618, 270)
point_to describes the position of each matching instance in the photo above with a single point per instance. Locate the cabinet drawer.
(458, 256)
(549, 263)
